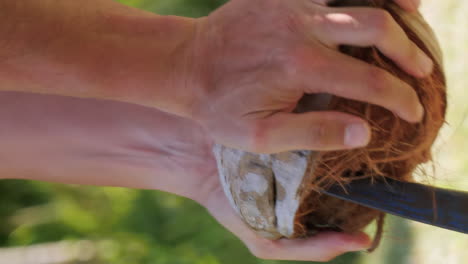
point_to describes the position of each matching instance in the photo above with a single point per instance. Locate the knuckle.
(317, 134)
(294, 22)
(376, 81)
(288, 62)
(382, 23)
(382, 19)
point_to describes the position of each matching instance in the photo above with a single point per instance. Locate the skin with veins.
(271, 212)
(265, 190)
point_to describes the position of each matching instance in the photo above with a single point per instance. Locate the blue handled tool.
(427, 204)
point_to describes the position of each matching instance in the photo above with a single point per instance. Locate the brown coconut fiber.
(278, 195)
(397, 147)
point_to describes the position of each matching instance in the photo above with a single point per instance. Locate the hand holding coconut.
(239, 73)
(251, 100)
(279, 195)
(255, 61)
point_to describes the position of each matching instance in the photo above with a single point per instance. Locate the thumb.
(321, 131)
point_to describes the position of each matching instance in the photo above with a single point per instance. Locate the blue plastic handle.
(427, 204)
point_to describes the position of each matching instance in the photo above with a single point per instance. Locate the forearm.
(92, 142)
(95, 48)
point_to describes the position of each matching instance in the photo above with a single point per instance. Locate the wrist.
(199, 66)
(152, 62)
(105, 51)
(184, 82)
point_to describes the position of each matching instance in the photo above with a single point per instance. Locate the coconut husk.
(279, 195)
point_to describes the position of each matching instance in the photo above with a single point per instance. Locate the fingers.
(366, 27)
(322, 247)
(315, 131)
(351, 78)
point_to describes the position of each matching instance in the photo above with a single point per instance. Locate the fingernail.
(425, 63)
(420, 112)
(356, 135)
(361, 243)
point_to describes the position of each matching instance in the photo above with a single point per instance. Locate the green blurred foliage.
(128, 226)
(131, 226)
(190, 8)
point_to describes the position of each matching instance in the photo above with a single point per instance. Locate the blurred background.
(43, 223)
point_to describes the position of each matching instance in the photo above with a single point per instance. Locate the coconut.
(279, 195)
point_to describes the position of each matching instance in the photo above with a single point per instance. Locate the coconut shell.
(278, 195)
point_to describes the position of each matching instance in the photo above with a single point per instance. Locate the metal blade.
(431, 205)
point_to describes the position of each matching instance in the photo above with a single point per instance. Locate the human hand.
(101, 142)
(323, 246)
(93, 142)
(256, 59)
